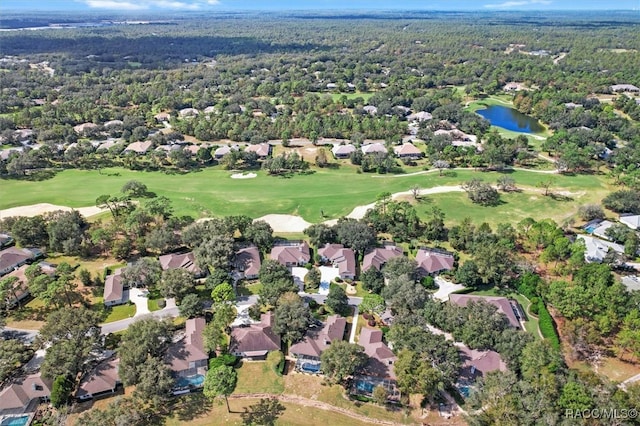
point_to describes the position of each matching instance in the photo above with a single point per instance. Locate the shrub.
(223, 359)
(371, 323)
(366, 316)
(589, 212)
(338, 279)
(275, 360)
(547, 326)
(162, 303)
(61, 391)
(255, 312)
(623, 201)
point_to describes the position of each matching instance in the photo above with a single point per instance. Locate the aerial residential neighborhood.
(342, 213)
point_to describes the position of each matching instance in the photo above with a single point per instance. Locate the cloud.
(508, 4)
(150, 4)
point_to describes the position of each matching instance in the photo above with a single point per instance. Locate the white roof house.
(597, 249)
(601, 230)
(632, 221)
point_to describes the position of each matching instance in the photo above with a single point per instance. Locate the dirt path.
(306, 402)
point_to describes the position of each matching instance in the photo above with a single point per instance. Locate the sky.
(213, 5)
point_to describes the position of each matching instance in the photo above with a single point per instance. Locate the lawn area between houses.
(258, 377)
(120, 312)
(211, 191)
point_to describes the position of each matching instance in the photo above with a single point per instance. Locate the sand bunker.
(38, 209)
(285, 222)
(243, 175)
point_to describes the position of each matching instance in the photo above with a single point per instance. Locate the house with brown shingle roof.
(377, 257)
(84, 127)
(431, 261)
(343, 151)
(247, 262)
(291, 253)
(420, 116)
(262, 150)
(188, 356)
(140, 147)
(102, 380)
(12, 258)
(340, 257)
(256, 340)
(224, 150)
(478, 363)
(381, 358)
(407, 150)
(181, 261)
(162, 116)
(20, 290)
(504, 305)
(374, 148)
(114, 289)
(316, 340)
(24, 394)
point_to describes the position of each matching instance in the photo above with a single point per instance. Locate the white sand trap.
(285, 222)
(243, 176)
(38, 209)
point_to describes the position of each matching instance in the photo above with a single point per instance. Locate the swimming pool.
(464, 391)
(589, 229)
(324, 287)
(309, 367)
(15, 421)
(193, 381)
(365, 386)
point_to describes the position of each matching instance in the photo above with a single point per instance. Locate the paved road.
(27, 336)
(115, 326)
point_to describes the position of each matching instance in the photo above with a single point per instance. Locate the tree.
(146, 338)
(320, 234)
(623, 201)
(373, 304)
(215, 252)
(135, 189)
(260, 233)
(272, 271)
(176, 283)
(30, 231)
(71, 335)
(441, 165)
(589, 212)
(154, 381)
(291, 317)
(312, 279)
(480, 192)
(416, 374)
(341, 360)
(321, 158)
(400, 266)
(372, 280)
(337, 300)
(61, 391)
(191, 306)
(66, 231)
(380, 395)
(223, 293)
(357, 235)
(145, 272)
(263, 413)
(468, 274)
(546, 184)
(219, 382)
(13, 353)
(506, 183)
(405, 295)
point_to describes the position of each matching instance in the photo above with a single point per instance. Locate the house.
(163, 116)
(291, 253)
(601, 230)
(572, 105)
(505, 306)
(105, 146)
(113, 123)
(381, 358)
(102, 380)
(183, 261)
(597, 249)
(478, 363)
(332, 86)
(188, 112)
(513, 87)
(210, 109)
(377, 257)
(343, 151)
(188, 357)
(20, 290)
(632, 221)
(431, 261)
(420, 116)
(263, 150)
(316, 340)
(139, 147)
(407, 150)
(85, 127)
(374, 148)
(340, 257)
(24, 394)
(12, 258)
(247, 262)
(5, 240)
(114, 289)
(624, 88)
(256, 340)
(224, 150)
(370, 109)
(631, 282)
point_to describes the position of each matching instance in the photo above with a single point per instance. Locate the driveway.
(328, 274)
(445, 288)
(298, 276)
(140, 298)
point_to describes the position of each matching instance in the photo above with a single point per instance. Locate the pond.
(511, 119)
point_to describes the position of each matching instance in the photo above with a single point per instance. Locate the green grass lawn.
(153, 299)
(120, 312)
(258, 377)
(211, 191)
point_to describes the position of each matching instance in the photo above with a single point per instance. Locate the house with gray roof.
(247, 262)
(114, 289)
(624, 88)
(224, 150)
(13, 257)
(140, 147)
(596, 249)
(374, 148)
(632, 221)
(631, 282)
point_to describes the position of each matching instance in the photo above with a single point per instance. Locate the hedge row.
(547, 326)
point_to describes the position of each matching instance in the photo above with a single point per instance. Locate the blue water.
(590, 229)
(510, 119)
(324, 285)
(464, 390)
(195, 381)
(365, 386)
(311, 368)
(15, 421)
